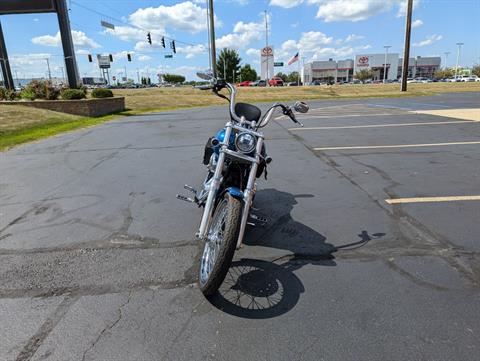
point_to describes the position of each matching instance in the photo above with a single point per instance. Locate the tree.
(476, 70)
(248, 73)
(228, 65)
(174, 78)
(445, 73)
(282, 76)
(364, 74)
(292, 77)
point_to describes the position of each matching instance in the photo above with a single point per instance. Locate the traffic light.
(163, 42)
(129, 57)
(111, 58)
(172, 44)
(149, 38)
(90, 60)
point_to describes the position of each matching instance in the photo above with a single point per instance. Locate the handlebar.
(219, 84)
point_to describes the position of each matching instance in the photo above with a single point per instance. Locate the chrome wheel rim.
(213, 243)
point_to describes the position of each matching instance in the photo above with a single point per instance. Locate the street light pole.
(213, 52)
(266, 46)
(446, 59)
(49, 73)
(406, 50)
(385, 63)
(459, 45)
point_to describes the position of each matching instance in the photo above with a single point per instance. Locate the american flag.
(294, 59)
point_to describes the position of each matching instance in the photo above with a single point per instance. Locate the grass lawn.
(19, 124)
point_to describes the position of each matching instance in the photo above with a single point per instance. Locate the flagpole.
(298, 72)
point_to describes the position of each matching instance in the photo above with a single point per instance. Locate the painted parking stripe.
(386, 125)
(337, 116)
(397, 146)
(432, 199)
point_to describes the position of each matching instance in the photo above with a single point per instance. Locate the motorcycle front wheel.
(219, 244)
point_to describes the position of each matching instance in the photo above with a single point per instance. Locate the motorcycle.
(235, 157)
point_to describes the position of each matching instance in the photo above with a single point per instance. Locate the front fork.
(215, 185)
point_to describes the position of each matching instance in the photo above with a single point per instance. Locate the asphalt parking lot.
(372, 249)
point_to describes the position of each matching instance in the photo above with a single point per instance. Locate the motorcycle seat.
(249, 111)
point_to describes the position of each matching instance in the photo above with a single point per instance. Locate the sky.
(318, 29)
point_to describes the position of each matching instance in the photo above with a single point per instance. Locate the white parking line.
(432, 199)
(386, 125)
(336, 116)
(397, 146)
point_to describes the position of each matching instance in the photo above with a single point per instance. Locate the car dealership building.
(344, 70)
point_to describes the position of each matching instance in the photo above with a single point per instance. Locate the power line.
(128, 24)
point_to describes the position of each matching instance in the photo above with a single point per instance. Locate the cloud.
(79, 39)
(286, 4)
(350, 10)
(402, 8)
(144, 58)
(429, 40)
(253, 52)
(417, 23)
(191, 51)
(127, 33)
(185, 16)
(353, 37)
(243, 34)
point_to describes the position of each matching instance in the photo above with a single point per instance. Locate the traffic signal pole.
(4, 63)
(406, 50)
(213, 52)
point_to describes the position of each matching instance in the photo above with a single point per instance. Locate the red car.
(245, 83)
(276, 81)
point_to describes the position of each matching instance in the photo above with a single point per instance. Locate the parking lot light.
(385, 63)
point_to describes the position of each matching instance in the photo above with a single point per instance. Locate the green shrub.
(43, 89)
(27, 94)
(3, 93)
(70, 94)
(11, 94)
(102, 93)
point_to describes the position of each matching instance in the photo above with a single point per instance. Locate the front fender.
(235, 192)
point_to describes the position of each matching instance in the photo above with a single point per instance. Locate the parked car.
(259, 83)
(245, 83)
(317, 82)
(293, 83)
(276, 81)
(468, 78)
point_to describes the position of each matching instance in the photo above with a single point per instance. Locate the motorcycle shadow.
(259, 289)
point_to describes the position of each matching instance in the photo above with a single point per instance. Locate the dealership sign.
(103, 61)
(363, 61)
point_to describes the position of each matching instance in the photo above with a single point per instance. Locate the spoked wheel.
(220, 244)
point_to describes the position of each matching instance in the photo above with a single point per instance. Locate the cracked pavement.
(98, 259)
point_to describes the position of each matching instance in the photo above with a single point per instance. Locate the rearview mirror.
(301, 107)
(205, 75)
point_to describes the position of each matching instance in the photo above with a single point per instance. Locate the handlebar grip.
(204, 87)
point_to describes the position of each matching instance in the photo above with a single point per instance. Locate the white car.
(471, 78)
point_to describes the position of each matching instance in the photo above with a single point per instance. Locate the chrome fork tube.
(249, 192)
(207, 212)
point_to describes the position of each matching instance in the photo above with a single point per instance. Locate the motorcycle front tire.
(226, 250)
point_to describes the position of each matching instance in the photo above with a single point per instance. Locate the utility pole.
(266, 46)
(233, 76)
(446, 59)
(213, 52)
(406, 50)
(63, 74)
(49, 73)
(126, 76)
(138, 77)
(459, 45)
(385, 63)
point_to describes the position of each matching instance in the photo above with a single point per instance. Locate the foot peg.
(257, 220)
(184, 198)
(190, 188)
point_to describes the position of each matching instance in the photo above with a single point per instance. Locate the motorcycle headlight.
(245, 142)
